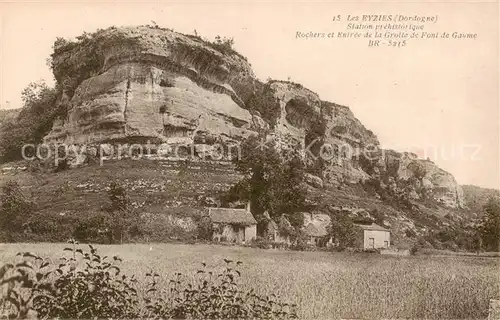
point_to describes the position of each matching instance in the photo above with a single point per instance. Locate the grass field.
(326, 285)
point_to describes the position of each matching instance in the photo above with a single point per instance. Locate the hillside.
(169, 195)
(135, 85)
(173, 195)
(476, 197)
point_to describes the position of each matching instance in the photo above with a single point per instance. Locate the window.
(386, 244)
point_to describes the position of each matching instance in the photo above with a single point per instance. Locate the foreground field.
(326, 285)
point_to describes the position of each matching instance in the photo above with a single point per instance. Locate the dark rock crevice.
(127, 92)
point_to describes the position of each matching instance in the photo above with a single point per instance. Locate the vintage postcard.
(249, 160)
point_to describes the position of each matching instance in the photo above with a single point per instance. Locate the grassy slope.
(172, 188)
(326, 285)
(152, 184)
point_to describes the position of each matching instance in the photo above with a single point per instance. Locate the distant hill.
(476, 197)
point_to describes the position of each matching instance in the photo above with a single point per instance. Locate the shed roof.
(231, 216)
(372, 226)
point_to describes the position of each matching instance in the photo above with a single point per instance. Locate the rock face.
(149, 83)
(425, 177)
(145, 83)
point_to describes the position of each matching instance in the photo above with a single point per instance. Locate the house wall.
(250, 233)
(379, 238)
(234, 234)
(224, 232)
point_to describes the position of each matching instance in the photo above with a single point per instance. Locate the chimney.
(248, 206)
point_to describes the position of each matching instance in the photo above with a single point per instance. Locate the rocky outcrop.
(150, 84)
(145, 83)
(427, 178)
(313, 180)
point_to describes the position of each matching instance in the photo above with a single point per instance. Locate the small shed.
(233, 225)
(374, 236)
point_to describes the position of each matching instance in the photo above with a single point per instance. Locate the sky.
(436, 97)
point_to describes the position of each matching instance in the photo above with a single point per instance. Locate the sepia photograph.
(249, 160)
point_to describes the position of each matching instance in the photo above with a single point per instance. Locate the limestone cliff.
(150, 83)
(154, 84)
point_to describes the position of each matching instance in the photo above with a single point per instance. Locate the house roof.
(315, 230)
(372, 226)
(230, 215)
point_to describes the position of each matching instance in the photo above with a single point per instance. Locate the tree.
(121, 217)
(35, 120)
(273, 179)
(15, 210)
(59, 43)
(205, 228)
(378, 217)
(341, 229)
(490, 225)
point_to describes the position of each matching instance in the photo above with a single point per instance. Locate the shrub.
(414, 249)
(49, 227)
(166, 83)
(205, 229)
(261, 243)
(300, 245)
(410, 233)
(224, 45)
(420, 244)
(99, 290)
(15, 210)
(96, 291)
(340, 129)
(92, 228)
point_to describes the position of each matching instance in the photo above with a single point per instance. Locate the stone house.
(372, 236)
(233, 225)
(368, 235)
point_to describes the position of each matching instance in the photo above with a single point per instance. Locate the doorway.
(371, 243)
